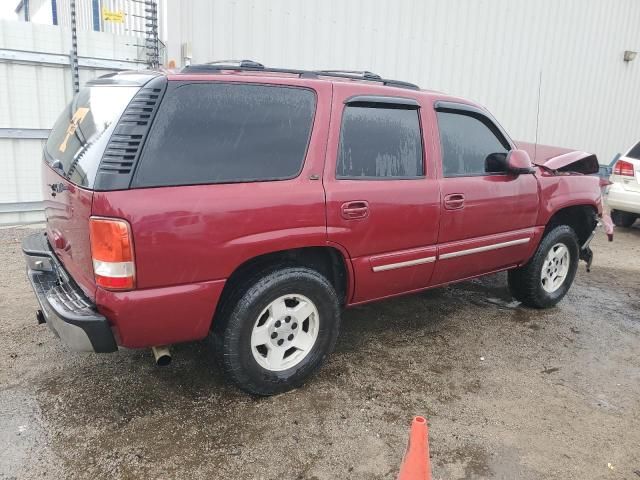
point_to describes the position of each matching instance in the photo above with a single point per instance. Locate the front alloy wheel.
(555, 268)
(546, 278)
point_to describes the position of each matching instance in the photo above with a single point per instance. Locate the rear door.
(488, 215)
(71, 159)
(382, 196)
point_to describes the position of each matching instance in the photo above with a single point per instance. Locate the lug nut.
(274, 335)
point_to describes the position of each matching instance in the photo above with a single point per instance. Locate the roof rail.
(364, 73)
(253, 66)
(237, 63)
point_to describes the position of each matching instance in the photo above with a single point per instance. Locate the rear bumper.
(67, 311)
(618, 198)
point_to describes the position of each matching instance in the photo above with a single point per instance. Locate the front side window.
(470, 145)
(207, 133)
(377, 143)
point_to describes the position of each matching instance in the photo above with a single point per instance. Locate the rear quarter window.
(81, 133)
(208, 133)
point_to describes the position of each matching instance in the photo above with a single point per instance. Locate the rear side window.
(634, 152)
(377, 143)
(470, 145)
(80, 135)
(225, 133)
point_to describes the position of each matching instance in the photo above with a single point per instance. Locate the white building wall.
(492, 51)
(32, 95)
(40, 11)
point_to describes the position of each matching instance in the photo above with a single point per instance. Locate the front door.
(382, 201)
(488, 215)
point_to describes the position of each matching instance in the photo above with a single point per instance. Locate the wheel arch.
(329, 260)
(582, 218)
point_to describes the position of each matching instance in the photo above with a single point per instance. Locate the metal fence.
(41, 66)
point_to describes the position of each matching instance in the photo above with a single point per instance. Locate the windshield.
(81, 133)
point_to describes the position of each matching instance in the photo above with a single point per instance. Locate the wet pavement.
(509, 392)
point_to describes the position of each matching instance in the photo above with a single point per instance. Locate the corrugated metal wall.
(133, 10)
(32, 95)
(492, 51)
(84, 13)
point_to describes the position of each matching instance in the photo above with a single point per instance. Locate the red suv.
(250, 205)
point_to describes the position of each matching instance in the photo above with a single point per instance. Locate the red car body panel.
(67, 208)
(396, 236)
(160, 316)
(562, 191)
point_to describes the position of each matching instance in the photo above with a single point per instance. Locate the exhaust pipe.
(40, 317)
(162, 355)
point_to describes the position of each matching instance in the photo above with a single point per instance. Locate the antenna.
(535, 145)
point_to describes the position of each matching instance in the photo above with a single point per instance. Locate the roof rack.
(253, 66)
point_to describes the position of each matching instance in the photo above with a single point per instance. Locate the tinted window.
(634, 152)
(222, 133)
(80, 135)
(470, 146)
(380, 142)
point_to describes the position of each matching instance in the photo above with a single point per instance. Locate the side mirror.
(518, 162)
(495, 163)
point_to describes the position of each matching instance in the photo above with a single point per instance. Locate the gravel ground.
(509, 392)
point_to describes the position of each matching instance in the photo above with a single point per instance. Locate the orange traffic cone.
(416, 464)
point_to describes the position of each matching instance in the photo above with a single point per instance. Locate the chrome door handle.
(354, 210)
(454, 201)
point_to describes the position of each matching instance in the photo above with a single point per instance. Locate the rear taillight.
(112, 253)
(623, 168)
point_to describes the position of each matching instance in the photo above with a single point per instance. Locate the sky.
(7, 9)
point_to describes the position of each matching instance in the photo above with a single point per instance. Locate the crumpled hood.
(561, 159)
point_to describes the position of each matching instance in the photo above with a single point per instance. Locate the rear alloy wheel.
(285, 332)
(623, 219)
(547, 277)
(277, 330)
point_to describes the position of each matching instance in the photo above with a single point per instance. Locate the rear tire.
(547, 277)
(278, 330)
(623, 219)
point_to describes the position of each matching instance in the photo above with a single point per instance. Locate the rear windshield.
(634, 152)
(81, 133)
(226, 133)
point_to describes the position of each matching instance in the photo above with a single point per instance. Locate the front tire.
(279, 331)
(623, 219)
(547, 277)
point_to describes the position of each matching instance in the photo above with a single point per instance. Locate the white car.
(623, 197)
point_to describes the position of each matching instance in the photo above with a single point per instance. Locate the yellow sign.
(77, 118)
(109, 16)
